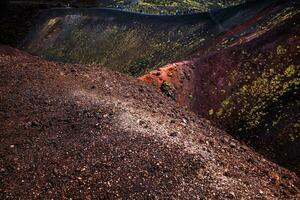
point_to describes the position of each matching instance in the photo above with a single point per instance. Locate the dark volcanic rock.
(91, 145)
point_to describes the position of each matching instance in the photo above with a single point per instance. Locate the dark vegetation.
(174, 6)
(121, 41)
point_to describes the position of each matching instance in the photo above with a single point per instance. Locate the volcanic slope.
(175, 6)
(81, 131)
(145, 6)
(246, 80)
(128, 42)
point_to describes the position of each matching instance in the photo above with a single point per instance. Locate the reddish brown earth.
(246, 81)
(84, 132)
(217, 54)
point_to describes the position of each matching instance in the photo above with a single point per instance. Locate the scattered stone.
(225, 140)
(173, 134)
(168, 89)
(157, 73)
(98, 126)
(231, 195)
(232, 145)
(121, 152)
(142, 123)
(33, 124)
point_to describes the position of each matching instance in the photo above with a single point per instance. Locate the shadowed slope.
(128, 42)
(145, 6)
(174, 6)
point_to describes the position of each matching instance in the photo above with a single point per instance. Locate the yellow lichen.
(220, 112)
(290, 71)
(226, 102)
(281, 50)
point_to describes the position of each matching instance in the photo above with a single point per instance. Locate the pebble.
(173, 134)
(231, 195)
(225, 140)
(232, 145)
(33, 124)
(98, 125)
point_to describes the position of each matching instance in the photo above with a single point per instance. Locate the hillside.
(146, 6)
(81, 131)
(146, 99)
(246, 81)
(171, 7)
(14, 28)
(237, 67)
(128, 42)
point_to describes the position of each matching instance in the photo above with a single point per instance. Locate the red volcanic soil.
(216, 54)
(84, 132)
(246, 81)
